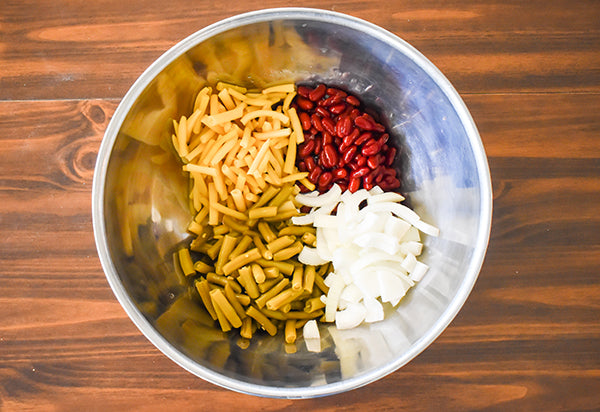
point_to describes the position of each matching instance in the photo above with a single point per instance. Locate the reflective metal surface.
(140, 208)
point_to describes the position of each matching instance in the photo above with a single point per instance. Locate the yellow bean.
(297, 278)
(247, 280)
(262, 212)
(258, 273)
(246, 330)
(258, 316)
(261, 301)
(227, 247)
(221, 302)
(266, 232)
(185, 261)
(268, 284)
(265, 253)
(233, 301)
(241, 260)
(290, 331)
(283, 298)
(298, 231)
(202, 267)
(288, 252)
(313, 304)
(241, 247)
(280, 243)
(204, 292)
(309, 278)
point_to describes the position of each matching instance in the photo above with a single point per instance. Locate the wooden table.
(528, 337)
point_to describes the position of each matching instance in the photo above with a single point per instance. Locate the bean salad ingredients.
(343, 144)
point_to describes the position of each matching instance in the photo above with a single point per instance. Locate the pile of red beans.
(343, 144)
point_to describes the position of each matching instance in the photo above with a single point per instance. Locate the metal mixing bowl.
(140, 211)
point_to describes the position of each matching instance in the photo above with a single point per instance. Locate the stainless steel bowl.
(140, 212)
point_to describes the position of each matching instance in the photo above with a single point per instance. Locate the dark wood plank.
(528, 338)
(67, 50)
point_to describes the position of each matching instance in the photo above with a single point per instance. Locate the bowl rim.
(258, 16)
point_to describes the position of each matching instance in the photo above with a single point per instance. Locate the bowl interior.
(141, 207)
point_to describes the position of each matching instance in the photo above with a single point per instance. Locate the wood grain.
(528, 337)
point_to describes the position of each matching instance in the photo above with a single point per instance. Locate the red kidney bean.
(321, 111)
(363, 138)
(338, 108)
(362, 123)
(318, 146)
(348, 155)
(337, 92)
(363, 171)
(370, 148)
(317, 93)
(328, 125)
(360, 160)
(310, 163)
(343, 127)
(331, 156)
(331, 100)
(389, 156)
(343, 186)
(302, 166)
(354, 184)
(327, 138)
(354, 113)
(303, 91)
(315, 120)
(349, 139)
(373, 162)
(304, 103)
(353, 166)
(306, 148)
(314, 175)
(368, 182)
(384, 138)
(340, 173)
(325, 178)
(352, 100)
(304, 120)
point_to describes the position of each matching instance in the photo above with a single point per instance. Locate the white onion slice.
(419, 271)
(350, 317)
(320, 200)
(310, 256)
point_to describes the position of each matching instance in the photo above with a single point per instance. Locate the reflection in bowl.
(140, 205)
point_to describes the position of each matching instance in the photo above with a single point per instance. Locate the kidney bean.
(343, 127)
(360, 160)
(325, 178)
(352, 100)
(340, 173)
(373, 161)
(304, 120)
(337, 92)
(348, 155)
(362, 123)
(310, 163)
(354, 113)
(353, 166)
(331, 100)
(354, 184)
(304, 103)
(363, 171)
(327, 138)
(338, 108)
(318, 145)
(314, 175)
(370, 148)
(368, 182)
(306, 148)
(317, 93)
(331, 156)
(303, 91)
(349, 139)
(337, 140)
(321, 111)
(343, 186)
(389, 156)
(378, 178)
(389, 183)
(302, 166)
(328, 125)
(363, 138)
(315, 120)
(384, 138)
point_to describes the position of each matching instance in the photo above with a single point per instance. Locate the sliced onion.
(320, 200)
(310, 256)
